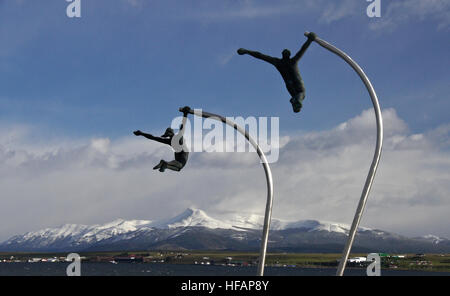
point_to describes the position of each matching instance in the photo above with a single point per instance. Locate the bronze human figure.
(288, 68)
(169, 138)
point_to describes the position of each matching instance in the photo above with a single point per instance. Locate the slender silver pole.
(269, 203)
(376, 157)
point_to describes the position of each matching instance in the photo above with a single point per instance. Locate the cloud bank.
(404, 11)
(319, 175)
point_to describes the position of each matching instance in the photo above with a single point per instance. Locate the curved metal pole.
(376, 157)
(269, 203)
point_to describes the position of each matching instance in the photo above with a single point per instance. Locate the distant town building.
(357, 260)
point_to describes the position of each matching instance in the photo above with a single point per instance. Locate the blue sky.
(73, 90)
(131, 64)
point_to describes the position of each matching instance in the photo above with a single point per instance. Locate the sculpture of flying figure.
(288, 69)
(175, 141)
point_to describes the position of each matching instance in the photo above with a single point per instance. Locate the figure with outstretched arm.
(288, 68)
(176, 141)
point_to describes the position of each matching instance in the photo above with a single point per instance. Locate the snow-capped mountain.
(433, 238)
(191, 218)
(242, 222)
(194, 229)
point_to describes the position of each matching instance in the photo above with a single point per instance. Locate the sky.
(72, 90)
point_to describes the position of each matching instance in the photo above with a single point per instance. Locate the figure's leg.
(297, 91)
(174, 165)
(297, 101)
(161, 164)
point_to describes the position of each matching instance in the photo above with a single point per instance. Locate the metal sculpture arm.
(268, 173)
(185, 111)
(177, 142)
(301, 52)
(151, 137)
(377, 154)
(258, 55)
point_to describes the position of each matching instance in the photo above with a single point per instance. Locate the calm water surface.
(152, 269)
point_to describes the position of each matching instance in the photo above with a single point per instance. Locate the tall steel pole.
(376, 157)
(269, 203)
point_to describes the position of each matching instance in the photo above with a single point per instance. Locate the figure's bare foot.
(160, 164)
(137, 133)
(296, 105)
(163, 167)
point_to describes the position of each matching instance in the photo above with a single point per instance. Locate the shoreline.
(410, 262)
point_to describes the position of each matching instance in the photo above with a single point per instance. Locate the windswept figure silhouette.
(176, 142)
(288, 68)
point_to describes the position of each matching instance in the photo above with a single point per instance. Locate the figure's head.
(286, 54)
(169, 133)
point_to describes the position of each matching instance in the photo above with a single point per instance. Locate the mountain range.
(195, 230)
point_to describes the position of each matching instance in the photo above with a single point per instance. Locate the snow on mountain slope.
(253, 221)
(79, 234)
(115, 228)
(191, 217)
(123, 229)
(50, 235)
(433, 238)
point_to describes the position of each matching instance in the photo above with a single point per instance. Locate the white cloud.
(327, 10)
(403, 11)
(225, 57)
(135, 3)
(319, 175)
(248, 11)
(336, 10)
(394, 13)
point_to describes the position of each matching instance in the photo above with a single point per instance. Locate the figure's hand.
(185, 110)
(312, 36)
(242, 51)
(137, 133)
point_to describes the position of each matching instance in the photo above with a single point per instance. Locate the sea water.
(155, 269)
